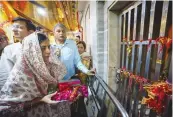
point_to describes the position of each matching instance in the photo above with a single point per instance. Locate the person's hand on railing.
(91, 72)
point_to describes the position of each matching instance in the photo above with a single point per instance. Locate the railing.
(102, 102)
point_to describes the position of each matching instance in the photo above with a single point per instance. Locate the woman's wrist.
(32, 103)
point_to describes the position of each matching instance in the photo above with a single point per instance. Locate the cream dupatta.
(30, 76)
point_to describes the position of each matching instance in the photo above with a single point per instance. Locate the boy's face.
(20, 30)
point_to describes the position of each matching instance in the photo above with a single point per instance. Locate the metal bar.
(93, 92)
(124, 92)
(132, 7)
(134, 38)
(141, 36)
(146, 42)
(170, 72)
(167, 110)
(133, 56)
(123, 58)
(104, 97)
(123, 18)
(97, 88)
(162, 33)
(121, 36)
(136, 100)
(102, 104)
(112, 97)
(93, 95)
(128, 37)
(127, 62)
(152, 14)
(133, 99)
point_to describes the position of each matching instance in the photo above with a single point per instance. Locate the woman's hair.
(83, 43)
(2, 31)
(41, 37)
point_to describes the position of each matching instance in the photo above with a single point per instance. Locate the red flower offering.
(70, 90)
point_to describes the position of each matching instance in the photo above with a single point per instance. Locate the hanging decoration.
(164, 41)
(129, 47)
(157, 93)
(149, 43)
(124, 39)
(64, 12)
(6, 13)
(20, 5)
(138, 79)
(68, 9)
(159, 61)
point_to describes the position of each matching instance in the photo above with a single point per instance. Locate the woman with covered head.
(28, 82)
(86, 60)
(3, 40)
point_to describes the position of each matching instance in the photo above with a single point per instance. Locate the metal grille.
(141, 25)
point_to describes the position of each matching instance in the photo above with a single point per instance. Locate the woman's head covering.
(3, 40)
(33, 56)
(30, 69)
(2, 31)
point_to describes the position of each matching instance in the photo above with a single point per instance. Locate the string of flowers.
(157, 91)
(157, 94)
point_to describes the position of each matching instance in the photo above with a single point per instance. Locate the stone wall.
(103, 39)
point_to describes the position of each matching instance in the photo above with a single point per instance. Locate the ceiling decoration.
(55, 12)
(6, 13)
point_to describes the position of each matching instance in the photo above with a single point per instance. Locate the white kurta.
(7, 61)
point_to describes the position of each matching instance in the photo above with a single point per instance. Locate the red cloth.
(70, 90)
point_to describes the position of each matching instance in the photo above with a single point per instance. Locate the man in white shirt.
(21, 27)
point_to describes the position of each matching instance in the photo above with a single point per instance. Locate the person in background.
(66, 50)
(77, 38)
(3, 41)
(41, 30)
(86, 60)
(27, 85)
(21, 28)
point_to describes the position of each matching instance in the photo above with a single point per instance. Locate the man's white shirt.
(8, 59)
